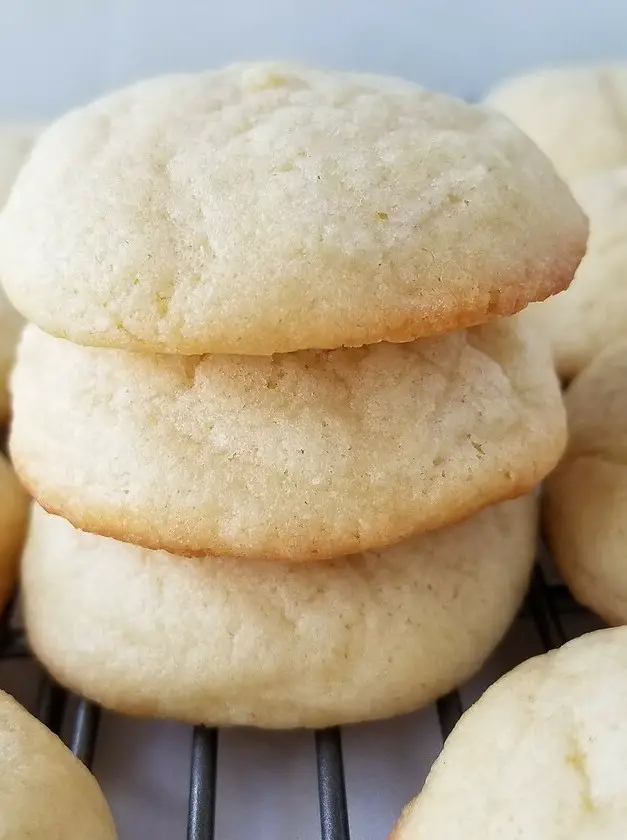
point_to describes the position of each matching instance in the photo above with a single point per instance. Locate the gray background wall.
(57, 53)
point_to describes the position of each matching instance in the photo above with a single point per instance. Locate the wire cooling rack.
(547, 604)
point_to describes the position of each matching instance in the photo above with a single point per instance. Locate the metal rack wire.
(546, 604)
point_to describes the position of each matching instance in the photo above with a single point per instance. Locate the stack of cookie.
(268, 381)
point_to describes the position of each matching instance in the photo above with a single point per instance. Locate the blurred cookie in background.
(592, 313)
(45, 792)
(577, 115)
(13, 519)
(16, 140)
(585, 502)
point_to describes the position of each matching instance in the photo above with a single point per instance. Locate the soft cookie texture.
(45, 792)
(271, 207)
(16, 140)
(592, 313)
(539, 756)
(275, 645)
(13, 519)
(586, 497)
(577, 115)
(302, 456)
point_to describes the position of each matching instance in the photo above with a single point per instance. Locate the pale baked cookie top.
(577, 115)
(539, 757)
(271, 207)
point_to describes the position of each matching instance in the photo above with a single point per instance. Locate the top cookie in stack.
(268, 208)
(275, 216)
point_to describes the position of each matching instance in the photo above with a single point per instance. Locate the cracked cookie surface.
(539, 756)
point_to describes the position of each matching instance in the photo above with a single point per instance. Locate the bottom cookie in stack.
(226, 641)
